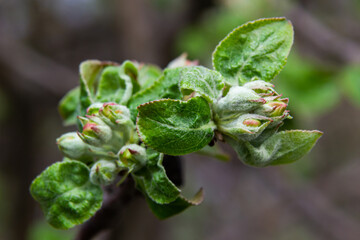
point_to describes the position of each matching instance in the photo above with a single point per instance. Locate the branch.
(328, 42)
(32, 68)
(115, 202)
(314, 207)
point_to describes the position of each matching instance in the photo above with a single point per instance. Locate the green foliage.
(66, 195)
(130, 115)
(203, 81)
(165, 87)
(281, 148)
(68, 106)
(153, 181)
(176, 127)
(256, 49)
(163, 211)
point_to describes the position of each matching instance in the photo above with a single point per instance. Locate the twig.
(314, 207)
(112, 207)
(324, 39)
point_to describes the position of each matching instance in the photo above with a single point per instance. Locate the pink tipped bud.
(278, 108)
(252, 122)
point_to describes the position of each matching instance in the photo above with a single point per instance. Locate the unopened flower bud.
(132, 155)
(103, 172)
(115, 114)
(262, 88)
(278, 108)
(73, 147)
(273, 108)
(238, 99)
(252, 122)
(95, 131)
(94, 108)
(244, 128)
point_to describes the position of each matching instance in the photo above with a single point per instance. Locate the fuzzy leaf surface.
(255, 49)
(148, 74)
(66, 195)
(281, 148)
(206, 82)
(166, 86)
(68, 106)
(90, 71)
(153, 180)
(163, 211)
(175, 127)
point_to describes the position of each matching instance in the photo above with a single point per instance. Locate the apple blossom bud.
(95, 131)
(132, 155)
(103, 172)
(73, 147)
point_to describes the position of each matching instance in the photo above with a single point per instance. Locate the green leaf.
(114, 86)
(163, 211)
(153, 180)
(281, 148)
(148, 74)
(175, 127)
(206, 82)
(255, 49)
(66, 195)
(68, 106)
(166, 86)
(90, 71)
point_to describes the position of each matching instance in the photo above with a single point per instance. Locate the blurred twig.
(327, 42)
(314, 207)
(106, 218)
(32, 68)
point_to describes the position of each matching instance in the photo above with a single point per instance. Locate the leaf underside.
(281, 148)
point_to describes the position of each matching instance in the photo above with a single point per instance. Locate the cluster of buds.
(105, 129)
(246, 111)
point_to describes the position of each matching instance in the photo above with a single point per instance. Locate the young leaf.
(163, 211)
(281, 148)
(154, 181)
(255, 49)
(66, 195)
(114, 86)
(89, 74)
(68, 106)
(148, 74)
(206, 82)
(166, 86)
(175, 127)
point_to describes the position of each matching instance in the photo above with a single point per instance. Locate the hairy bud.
(103, 172)
(245, 128)
(95, 131)
(238, 99)
(73, 147)
(132, 155)
(94, 108)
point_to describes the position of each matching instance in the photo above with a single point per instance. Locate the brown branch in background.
(31, 68)
(115, 201)
(318, 212)
(327, 42)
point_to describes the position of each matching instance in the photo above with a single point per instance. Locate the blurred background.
(43, 42)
